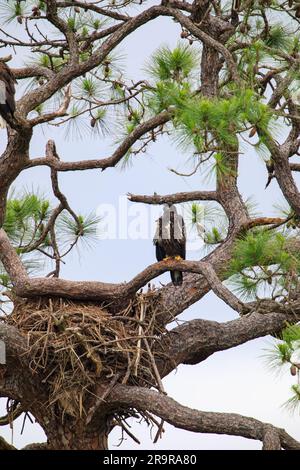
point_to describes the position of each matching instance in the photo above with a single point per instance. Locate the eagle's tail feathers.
(177, 278)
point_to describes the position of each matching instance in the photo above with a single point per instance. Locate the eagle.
(170, 240)
(7, 95)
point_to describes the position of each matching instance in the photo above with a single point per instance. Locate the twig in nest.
(26, 415)
(160, 431)
(101, 399)
(128, 371)
(139, 343)
(127, 431)
(153, 363)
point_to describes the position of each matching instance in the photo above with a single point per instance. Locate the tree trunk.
(210, 68)
(77, 436)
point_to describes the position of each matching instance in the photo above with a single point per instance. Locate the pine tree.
(83, 357)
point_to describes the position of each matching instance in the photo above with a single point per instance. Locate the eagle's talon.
(167, 258)
(178, 258)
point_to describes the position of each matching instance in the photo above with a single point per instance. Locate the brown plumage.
(271, 172)
(7, 94)
(170, 240)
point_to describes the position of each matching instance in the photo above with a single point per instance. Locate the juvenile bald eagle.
(7, 95)
(169, 239)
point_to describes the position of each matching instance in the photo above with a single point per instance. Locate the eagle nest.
(74, 345)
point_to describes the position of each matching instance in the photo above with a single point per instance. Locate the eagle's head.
(170, 213)
(168, 209)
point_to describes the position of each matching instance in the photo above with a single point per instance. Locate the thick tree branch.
(5, 445)
(33, 71)
(61, 25)
(15, 377)
(93, 290)
(37, 446)
(17, 381)
(196, 340)
(208, 40)
(295, 166)
(283, 173)
(26, 287)
(11, 260)
(193, 420)
(271, 438)
(176, 198)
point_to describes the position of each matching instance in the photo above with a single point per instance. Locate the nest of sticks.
(73, 345)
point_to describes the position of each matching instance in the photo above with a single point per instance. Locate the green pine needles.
(176, 64)
(262, 263)
(37, 239)
(200, 119)
(286, 354)
(222, 118)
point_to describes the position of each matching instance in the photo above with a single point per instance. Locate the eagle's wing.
(8, 80)
(169, 240)
(10, 99)
(157, 240)
(160, 252)
(10, 91)
(181, 240)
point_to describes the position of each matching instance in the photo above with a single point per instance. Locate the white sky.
(231, 381)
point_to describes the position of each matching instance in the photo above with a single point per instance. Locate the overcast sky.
(232, 381)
